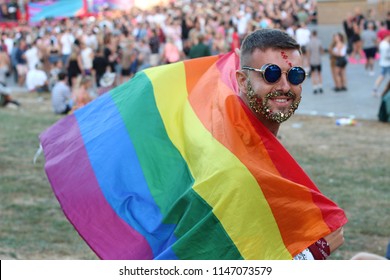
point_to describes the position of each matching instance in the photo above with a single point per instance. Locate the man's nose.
(283, 85)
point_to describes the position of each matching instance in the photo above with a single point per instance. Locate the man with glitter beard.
(270, 84)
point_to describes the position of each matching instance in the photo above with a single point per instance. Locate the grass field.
(349, 164)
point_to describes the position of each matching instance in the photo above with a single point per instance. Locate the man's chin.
(279, 117)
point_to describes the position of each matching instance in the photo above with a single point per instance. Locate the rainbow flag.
(172, 165)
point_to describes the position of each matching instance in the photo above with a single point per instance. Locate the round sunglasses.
(272, 73)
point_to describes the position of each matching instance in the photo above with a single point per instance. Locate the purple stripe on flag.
(81, 193)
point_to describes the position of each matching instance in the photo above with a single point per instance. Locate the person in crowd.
(37, 79)
(5, 65)
(5, 94)
(74, 66)
(302, 35)
(357, 54)
(61, 96)
(154, 43)
(54, 50)
(21, 63)
(8, 41)
(53, 73)
(339, 51)
(86, 58)
(107, 82)
(126, 60)
(332, 59)
(200, 49)
(384, 63)
(384, 107)
(66, 41)
(369, 45)
(110, 51)
(32, 55)
(136, 61)
(218, 43)
(170, 52)
(99, 66)
(314, 52)
(81, 94)
(234, 38)
(382, 31)
(144, 55)
(348, 31)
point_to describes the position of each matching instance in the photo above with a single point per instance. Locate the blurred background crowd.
(102, 40)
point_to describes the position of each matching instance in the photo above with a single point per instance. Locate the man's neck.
(272, 125)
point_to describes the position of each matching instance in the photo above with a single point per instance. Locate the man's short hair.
(264, 39)
(61, 76)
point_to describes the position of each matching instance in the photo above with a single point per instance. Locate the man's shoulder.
(60, 86)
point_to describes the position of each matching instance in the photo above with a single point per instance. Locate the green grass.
(32, 225)
(349, 164)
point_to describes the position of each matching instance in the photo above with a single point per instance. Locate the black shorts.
(126, 72)
(315, 68)
(370, 52)
(356, 38)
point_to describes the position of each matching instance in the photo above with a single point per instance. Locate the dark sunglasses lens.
(272, 73)
(296, 75)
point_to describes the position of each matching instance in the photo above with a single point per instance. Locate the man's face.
(271, 102)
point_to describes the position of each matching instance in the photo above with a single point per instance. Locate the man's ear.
(241, 78)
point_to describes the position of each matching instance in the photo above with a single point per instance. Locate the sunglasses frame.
(264, 68)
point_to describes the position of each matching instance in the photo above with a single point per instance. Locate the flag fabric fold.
(172, 165)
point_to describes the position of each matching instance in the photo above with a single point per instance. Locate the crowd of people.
(124, 42)
(367, 38)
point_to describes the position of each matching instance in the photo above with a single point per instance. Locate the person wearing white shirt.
(66, 40)
(36, 79)
(87, 56)
(384, 63)
(9, 42)
(32, 56)
(302, 36)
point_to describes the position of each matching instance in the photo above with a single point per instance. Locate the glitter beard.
(262, 107)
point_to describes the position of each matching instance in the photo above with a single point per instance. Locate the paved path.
(357, 102)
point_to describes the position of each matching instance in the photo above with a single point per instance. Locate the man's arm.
(321, 249)
(335, 239)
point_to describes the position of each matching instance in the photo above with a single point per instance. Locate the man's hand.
(335, 239)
